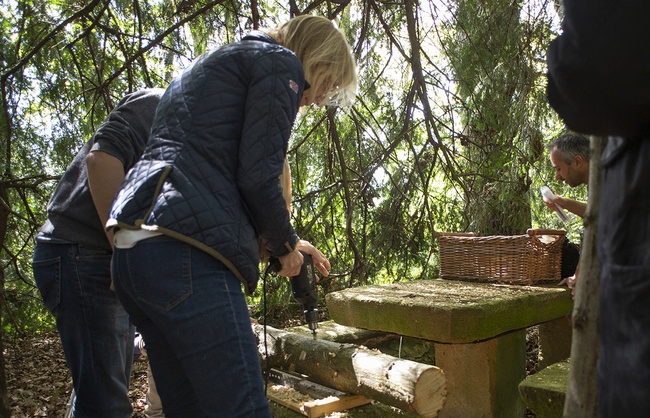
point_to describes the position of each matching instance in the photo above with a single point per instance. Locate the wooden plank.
(321, 407)
(287, 403)
(302, 385)
(327, 400)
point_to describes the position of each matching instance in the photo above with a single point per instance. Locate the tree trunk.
(581, 398)
(4, 215)
(350, 368)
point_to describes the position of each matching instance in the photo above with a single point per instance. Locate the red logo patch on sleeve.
(294, 86)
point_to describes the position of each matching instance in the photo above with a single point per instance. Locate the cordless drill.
(303, 287)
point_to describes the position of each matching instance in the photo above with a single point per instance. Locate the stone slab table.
(478, 330)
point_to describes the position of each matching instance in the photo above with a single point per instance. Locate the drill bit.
(311, 317)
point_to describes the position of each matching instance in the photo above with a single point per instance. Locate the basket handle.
(539, 231)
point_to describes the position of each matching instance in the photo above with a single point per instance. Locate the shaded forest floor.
(39, 383)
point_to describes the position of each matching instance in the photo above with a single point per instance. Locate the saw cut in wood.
(322, 399)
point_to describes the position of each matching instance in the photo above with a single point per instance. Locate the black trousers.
(624, 252)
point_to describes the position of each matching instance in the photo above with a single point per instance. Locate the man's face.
(568, 173)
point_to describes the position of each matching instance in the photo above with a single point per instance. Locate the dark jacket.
(599, 68)
(210, 173)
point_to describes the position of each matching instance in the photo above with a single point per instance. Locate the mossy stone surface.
(544, 392)
(448, 311)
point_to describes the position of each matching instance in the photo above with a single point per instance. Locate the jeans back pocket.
(160, 272)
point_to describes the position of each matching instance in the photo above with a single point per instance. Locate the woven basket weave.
(517, 259)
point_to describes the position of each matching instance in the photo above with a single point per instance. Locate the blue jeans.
(94, 328)
(193, 316)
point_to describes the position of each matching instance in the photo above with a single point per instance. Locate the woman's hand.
(321, 262)
(292, 262)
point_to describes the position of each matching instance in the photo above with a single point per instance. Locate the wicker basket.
(518, 259)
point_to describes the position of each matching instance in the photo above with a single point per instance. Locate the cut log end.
(429, 397)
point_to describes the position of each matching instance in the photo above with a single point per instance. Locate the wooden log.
(405, 384)
(331, 331)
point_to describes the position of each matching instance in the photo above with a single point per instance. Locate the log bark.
(581, 397)
(405, 384)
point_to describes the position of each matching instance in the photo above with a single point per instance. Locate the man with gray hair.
(569, 155)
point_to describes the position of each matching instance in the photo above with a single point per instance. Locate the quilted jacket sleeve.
(272, 103)
(599, 68)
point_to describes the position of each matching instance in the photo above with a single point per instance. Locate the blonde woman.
(190, 214)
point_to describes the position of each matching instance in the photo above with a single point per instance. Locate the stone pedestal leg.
(483, 377)
(555, 341)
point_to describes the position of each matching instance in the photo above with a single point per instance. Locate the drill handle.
(303, 286)
(275, 266)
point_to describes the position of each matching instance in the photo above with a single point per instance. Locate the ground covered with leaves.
(39, 383)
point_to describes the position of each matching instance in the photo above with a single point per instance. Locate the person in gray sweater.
(72, 258)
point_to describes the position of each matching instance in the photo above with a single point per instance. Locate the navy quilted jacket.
(210, 173)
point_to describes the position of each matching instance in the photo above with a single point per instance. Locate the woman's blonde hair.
(326, 57)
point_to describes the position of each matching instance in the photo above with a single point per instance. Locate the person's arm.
(105, 174)
(574, 206)
(271, 107)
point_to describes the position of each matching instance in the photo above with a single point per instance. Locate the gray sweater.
(71, 213)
